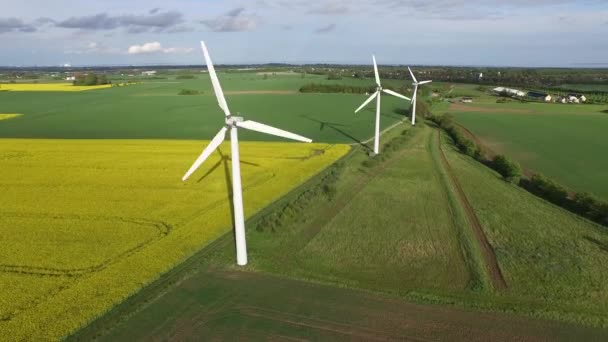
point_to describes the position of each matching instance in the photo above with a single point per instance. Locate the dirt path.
(487, 252)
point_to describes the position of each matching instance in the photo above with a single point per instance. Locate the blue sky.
(446, 32)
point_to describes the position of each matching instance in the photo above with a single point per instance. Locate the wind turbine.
(233, 123)
(415, 84)
(376, 95)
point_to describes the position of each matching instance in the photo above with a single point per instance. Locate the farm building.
(149, 73)
(502, 91)
(579, 97)
(466, 99)
(70, 78)
(573, 99)
(561, 99)
(539, 96)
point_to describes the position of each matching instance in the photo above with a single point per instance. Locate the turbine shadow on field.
(228, 178)
(334, 126)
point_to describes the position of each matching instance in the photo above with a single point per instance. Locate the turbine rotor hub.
(232, 120)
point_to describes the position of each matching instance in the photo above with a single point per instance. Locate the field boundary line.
(487, 251)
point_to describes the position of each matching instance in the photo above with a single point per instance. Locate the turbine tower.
(233, 123)
(415, 84)
(376, 95)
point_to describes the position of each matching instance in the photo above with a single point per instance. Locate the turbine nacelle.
(231, 121)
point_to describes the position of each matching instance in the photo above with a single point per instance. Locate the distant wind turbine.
(376, 95)
(232, 124)
(415, 84)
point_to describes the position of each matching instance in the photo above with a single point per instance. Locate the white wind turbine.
(415, 84)
(376, 95)
(233, 123)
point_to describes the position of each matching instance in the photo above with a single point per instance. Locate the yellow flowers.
(86, 223)
(49, 87)
(8, 116)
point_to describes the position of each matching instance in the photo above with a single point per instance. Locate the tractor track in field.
(487, 252)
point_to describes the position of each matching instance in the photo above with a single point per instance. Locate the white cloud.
(155, 47)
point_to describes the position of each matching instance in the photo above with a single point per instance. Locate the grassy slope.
(153, 110)
(395, 233)
(552, 260)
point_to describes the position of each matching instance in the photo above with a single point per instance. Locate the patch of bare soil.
(461, 107)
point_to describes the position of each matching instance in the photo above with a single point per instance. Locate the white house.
(573, 99)
(70, 78)
(149, 73)
(561, 99)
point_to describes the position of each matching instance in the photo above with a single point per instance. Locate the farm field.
(563, 142)
(105, 217)
(154, 110)
(50, 87)
(395, 265)
(228, 305)
(552, 260)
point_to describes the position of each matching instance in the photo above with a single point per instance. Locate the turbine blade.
(411, 73)
(376, 71)
(388, 91)
(424, 82)
(217, 88)
(259, 127)
(370, 99)
(213, 145)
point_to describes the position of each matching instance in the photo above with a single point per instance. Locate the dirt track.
(487, 252)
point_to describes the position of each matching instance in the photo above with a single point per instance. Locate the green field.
(96, 223)
(569, 149)
(153, 110)
(421, 251)
(564, 142)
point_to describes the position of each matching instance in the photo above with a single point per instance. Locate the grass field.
(552, 260)
(419, 252)
(564, 142)
(84, 224)
(154, 110)
(224, 305)
(50, 87)
(567, 149)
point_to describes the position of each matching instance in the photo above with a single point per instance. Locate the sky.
(416, 32)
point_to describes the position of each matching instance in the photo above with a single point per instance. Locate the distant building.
(579, 97)
(149, 73)
(466, 99)
(573, 99)
(70, 78)
(502, 91)
(561, 99)
(539, 96)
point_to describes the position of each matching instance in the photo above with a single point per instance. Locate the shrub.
(548, 189)
(510, 170)
(185, 77)
(189, 92)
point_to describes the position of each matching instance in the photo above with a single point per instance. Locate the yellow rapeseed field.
(8, 116)
(86, 223)
(50, 87)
